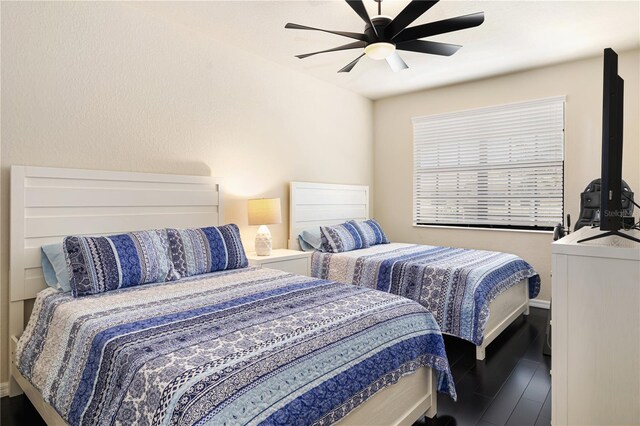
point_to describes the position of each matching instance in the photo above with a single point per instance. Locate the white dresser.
(595, 362)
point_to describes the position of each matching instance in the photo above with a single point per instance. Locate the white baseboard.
(4, 389)
(538, 303)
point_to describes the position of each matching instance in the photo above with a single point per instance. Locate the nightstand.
(294, 261)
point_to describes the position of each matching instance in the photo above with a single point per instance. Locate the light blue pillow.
(54, 267)
(310, 239)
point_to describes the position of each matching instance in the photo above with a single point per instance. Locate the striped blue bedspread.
(248, 346)
(455, 285)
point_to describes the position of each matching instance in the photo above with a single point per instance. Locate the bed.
(247, 345)
(473, 294)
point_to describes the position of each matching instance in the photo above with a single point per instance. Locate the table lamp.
(263, 212)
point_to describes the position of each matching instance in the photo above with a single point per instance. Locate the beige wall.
(580, 81)
(104, 86)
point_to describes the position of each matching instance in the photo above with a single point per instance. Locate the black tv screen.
(611, 180)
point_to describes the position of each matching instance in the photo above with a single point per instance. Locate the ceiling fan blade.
(396, 63)
(440, 27)
(407, 16)
(351, 64)
(358, 7)
(354, 45)
(357, 36)
(431, 47)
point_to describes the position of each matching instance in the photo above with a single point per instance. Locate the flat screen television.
(611, 179)
(611, 211)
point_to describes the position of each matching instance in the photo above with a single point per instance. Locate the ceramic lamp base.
(263, 241)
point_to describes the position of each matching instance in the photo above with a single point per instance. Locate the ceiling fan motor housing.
(380, 22)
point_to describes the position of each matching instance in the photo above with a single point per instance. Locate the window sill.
(530, 231)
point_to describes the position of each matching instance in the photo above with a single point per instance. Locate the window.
(495, 167)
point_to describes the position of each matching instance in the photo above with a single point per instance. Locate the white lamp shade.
(264, 211)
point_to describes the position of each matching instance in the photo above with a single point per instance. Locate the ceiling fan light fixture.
(380, 50)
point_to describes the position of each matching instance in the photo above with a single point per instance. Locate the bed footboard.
(413, 397)
(505, 309)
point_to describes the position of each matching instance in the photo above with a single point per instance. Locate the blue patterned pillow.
(371, 232)
(100, 264)
(199, 251)
(341, 238)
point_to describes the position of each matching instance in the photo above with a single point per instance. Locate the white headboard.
(47, 204)
(315, 204)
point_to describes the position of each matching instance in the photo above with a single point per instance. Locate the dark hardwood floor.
(511, 387)
(18, 411)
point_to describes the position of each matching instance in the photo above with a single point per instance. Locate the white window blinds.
(498, 167)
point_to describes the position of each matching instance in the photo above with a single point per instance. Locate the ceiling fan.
(383, 36)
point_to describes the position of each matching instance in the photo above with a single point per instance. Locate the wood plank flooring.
(511, 387)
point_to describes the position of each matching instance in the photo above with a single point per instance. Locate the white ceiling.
(516, 35)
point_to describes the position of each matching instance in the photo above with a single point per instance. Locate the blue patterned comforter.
(455, 285)
(245, 346)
